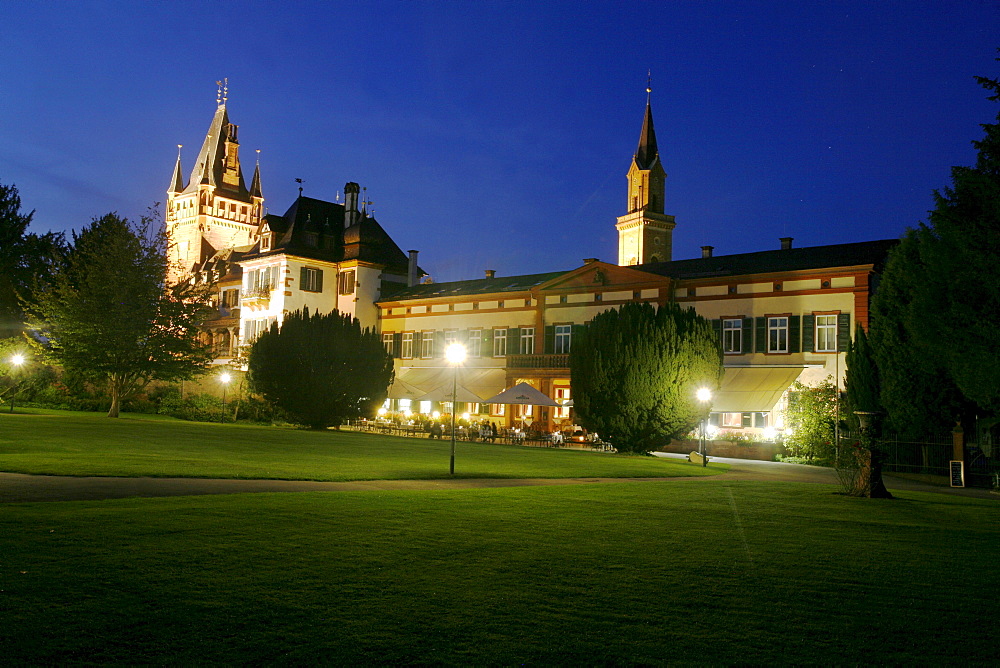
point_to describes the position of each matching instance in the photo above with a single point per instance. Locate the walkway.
(18, 487)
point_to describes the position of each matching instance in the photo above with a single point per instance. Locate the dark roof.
(762, 262)
(475, 287)
(314, 228)
(647, 153)
(210, 163)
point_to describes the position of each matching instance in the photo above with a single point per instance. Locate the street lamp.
(224, 379)
(455, 354)
(704, 395)
(17, 360)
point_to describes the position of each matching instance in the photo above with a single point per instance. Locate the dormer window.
(265, 241)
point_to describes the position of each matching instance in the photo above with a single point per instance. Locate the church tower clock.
(645, 233)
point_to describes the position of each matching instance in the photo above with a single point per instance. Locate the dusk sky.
(497, 135)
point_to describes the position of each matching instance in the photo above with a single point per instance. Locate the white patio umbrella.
(522, 394)
(444, 393)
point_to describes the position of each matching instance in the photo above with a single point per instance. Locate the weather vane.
(300, 182)
(222, 91)
(649, 84)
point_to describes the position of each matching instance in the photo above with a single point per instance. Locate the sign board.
(957, 473)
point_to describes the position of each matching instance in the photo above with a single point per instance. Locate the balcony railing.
(256, 295)
(537, 361)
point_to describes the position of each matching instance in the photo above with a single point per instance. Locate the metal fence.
(931, 458)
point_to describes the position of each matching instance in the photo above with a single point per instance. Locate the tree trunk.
(115, 400)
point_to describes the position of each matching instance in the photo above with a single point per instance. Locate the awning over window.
(418, 382)
(753, 389)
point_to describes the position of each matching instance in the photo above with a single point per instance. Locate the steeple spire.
(647, 153)
(177, 182)
(255, 184)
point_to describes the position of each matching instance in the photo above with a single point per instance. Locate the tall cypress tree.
(635, 371)
(862, 383)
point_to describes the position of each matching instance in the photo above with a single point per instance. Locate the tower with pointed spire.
(645, 233)
(213, 210)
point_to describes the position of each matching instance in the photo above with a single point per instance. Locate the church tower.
(213, 210)
(645, 233)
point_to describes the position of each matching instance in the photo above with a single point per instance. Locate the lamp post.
(224, 379)
(455, 354)
(16, 360)
(704, 395)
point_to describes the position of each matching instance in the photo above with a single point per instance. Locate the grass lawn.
(686, 571)
(89, 444)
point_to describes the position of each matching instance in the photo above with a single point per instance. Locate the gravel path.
(18, 487)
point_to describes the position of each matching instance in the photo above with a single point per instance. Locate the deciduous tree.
(110, 317)
(636, 370)
(321, 369)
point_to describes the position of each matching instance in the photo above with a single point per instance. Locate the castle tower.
(213, 210)
(645, 233)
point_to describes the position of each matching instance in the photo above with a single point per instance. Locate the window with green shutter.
(550, 339)
(794, 334)
(843, 332)
(760, 336)
(808, 329)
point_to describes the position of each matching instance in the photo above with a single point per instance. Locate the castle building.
(781, 315)
(319, 255)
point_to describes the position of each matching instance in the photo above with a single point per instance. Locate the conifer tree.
(862, 383)
(636, 370)
(936, 313)
(321, 369)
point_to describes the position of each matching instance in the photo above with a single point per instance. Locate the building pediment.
(598, 275)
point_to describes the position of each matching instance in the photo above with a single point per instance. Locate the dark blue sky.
(498, 134)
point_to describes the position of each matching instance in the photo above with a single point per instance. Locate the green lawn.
(88, 444)
(657, 572)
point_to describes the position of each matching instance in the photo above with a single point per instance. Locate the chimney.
(786, 243)
(589, 260)
(491, 273)
(413, 273)
(706, 251)
(351, 214)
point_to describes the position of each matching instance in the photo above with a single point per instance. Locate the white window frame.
(825, 340)
(563, 340)
(387, 341)
(777, 333)
(475, 343)
(527, 341)
(427, 344)
(312, 280)
(406, 348)
(499, 343)
(732, 336)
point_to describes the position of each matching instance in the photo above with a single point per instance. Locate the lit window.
(427, 345)
(407, 348)
(527, 340)
(732, 336)
(562, 396)
(731, 420)
(826, 333)
(563, 339)
(498, 409)
(387, 342)
(777, 334)
(499, 343)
